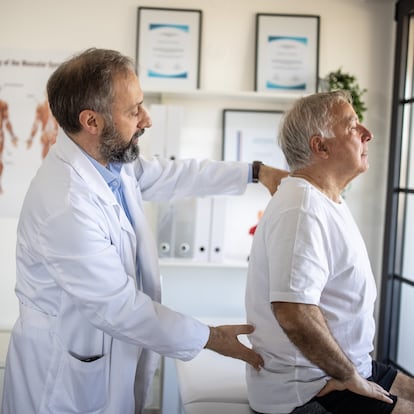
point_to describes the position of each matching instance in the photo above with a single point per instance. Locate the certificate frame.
(250, 135)
(287, 53)
(168, 48)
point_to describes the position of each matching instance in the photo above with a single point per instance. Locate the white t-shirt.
(306, 249)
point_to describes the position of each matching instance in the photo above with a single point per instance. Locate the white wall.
(357, 35)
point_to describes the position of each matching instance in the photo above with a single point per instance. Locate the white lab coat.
(77, 260)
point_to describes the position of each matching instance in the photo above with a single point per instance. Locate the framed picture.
(287, 53)
(250, 135)
(168, 48)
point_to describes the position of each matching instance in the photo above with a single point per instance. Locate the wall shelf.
(189, 263)
(201, 94)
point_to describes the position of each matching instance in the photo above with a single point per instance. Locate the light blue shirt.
(250, 175)
(112, 176)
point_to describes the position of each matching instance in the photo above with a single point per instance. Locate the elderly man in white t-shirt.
(310, 290)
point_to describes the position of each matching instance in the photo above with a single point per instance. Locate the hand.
(357, 385)
(270, 177)
(223, 339)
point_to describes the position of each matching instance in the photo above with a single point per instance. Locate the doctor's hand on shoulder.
(223, 339)
(271, 177)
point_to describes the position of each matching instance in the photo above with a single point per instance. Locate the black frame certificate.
(287, 53)
(250, 135)
(168, 48)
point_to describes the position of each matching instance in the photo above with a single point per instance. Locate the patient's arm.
(305, 326)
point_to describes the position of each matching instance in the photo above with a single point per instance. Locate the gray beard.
(113, 149)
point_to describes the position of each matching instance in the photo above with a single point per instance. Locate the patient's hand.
(223, 339)
(358, 385)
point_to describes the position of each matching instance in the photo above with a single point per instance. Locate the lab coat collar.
(72, 154)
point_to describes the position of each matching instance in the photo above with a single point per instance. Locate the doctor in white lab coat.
(91, 326)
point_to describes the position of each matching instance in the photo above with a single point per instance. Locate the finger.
(331, 385)
(323, 391)
(244, 352)
(251, 357)
(387, 399)
(383, 395)
(243, 329)
(326, 389)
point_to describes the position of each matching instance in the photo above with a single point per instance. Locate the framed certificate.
(250, 135)
(168, 48)
(287, 53)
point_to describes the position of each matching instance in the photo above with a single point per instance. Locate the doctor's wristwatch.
(255, 171)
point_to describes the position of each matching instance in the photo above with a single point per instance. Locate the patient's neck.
(323, 182)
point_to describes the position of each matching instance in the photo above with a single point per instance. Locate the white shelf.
(230, 95)
(177, 262)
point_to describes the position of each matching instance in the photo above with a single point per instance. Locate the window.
(396, 336)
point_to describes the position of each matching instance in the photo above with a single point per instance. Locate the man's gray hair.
(309, 116)
(85, 82)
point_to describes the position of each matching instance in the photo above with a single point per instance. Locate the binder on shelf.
(184, 228)
(158, 130)
(202, 228)
(218, 216)
(166, 229)
(173, 131)
(166, 130)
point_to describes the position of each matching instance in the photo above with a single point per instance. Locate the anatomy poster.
(27, 128)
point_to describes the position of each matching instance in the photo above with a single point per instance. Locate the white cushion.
(217, 408)
(212, 377)
(213, 383)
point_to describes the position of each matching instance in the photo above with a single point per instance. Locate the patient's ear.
(318, 146)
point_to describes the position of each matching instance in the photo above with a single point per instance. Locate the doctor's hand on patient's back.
(223, 339)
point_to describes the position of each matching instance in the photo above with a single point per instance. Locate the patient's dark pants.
(346, 402)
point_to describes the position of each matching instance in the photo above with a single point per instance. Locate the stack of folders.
(166, 130)
(192, 228)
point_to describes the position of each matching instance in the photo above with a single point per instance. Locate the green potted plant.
(341, 80)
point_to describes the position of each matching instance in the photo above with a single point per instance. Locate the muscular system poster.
(27, 128)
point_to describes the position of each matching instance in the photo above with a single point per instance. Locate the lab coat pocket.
(81, 385)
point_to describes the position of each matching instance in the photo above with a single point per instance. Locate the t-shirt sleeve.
(298, 258)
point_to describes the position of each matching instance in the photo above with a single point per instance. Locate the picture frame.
(168, 50)
(287, 53)
(250, 135)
